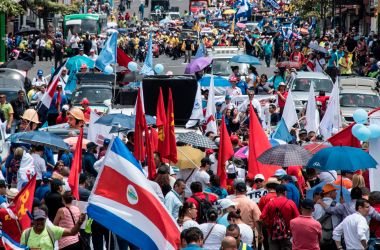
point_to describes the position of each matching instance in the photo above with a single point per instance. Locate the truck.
(196, 6)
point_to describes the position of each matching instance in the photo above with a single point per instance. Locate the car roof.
(304, 74)
(94, 86)
(353, 90)
(357, 82)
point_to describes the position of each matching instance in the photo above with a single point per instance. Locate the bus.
(196, 6)
(83, 23)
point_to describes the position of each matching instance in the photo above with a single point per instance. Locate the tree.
(11, 8)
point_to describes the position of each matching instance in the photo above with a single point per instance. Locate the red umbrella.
(288, 64)
(315, 147)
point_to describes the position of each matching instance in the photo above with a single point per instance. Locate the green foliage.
(11, 8)
(41, 7)
(307, 8)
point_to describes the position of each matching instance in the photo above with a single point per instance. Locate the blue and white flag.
(273, 3)
(282, 132)
(147, 68)
(287, 31)
(10, 244)
(244, 9)
(201, 51)
(124, 201)
(108, 55)
(197, 113)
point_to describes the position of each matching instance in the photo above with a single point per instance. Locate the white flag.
(211, 109)
(331, 122)
(197, 113)
(289, 114)
(311, 111)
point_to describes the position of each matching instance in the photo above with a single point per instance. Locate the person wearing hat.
(83, 68)
(103, 149)
(39, 79)
(89, 160)
(75, 118)
(345, 179)
(44, 188)
(29, 120)
(227, 104)
(297, 56)
(39, 236)
(276, 79)
(268, 50)
(250, 212)
(64, 77)
(92, 55)
(282, 94)
(234, 90)
(59, 99)
(63, 115)
(292, 191)
(85, 103)
(226, 206)
(302, 135)
(218, 113)
(259, 191)
(306, 231)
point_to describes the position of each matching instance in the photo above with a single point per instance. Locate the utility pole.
(2, 36)
(378, 17)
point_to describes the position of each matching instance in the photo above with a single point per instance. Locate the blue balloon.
(159, 68)
(375, 131)
(355, 128)
(360, 116)
(363, 133)
(108, 70)
(132, 66)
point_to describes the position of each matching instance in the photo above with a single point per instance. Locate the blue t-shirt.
(223, 220)
(53, 108)
(292, 193)
(333, 58)
(276, 81)
(243, 86)
(41, 191)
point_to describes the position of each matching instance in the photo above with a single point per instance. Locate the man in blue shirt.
(44, 188)
(59, 99)
(268, 50)
(292, 191)
(194, 239)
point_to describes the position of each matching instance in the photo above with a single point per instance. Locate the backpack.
(29, 230)
(203, 206)
(279, 229)
(327, 227)
(58, 46)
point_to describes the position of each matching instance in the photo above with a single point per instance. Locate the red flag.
(150, 153)
(345, 138)
(225, 153)
(154, 140)
(76, 167)
(23, 203)
(170, 134)
(163, 148)
(140, 125)
(123, 59)
(258, 144)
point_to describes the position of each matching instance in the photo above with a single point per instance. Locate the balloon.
(159, 68)
(375, 130)
(108, 70)
(363, 133)
(360, 116)
(355, 128)
(132, 66)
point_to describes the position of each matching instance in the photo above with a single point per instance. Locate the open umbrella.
(243, 152)
(189, 157)
(123, 121)
(72, 141)
(315, 147)
(18, 64)
(341, 158)
(317, 48)
(246, 59)
(241, 25)
(229, 12)
(285, 155)
(27, 31)
(198, 65)
(346, 193)
(75, 62)
(43, 138)
(196, 140)
(218, 81)
(288, 64)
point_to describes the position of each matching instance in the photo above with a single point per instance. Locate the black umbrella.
(28, 31)
(18, 64)
(196, 140)
(285, 155)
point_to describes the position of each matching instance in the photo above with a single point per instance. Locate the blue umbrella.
(276, 142)
(126, 122)
(218, 81)
(341, 158)
(76, 62)
(15, 138)
(46, 139)
(246, 59)
(346, 193)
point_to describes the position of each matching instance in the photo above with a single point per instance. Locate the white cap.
(226, 203)
(231, 169)
(65, 107)
(259, 176)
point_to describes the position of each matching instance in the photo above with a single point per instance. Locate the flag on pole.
(289, 114)
(76, 167)
(10, 244)
(244, 9)
(345, 138)
(108, 55)
(258, 144)
(23, 203)
(282, 132)
(150, 153)
(311, 111)
(163, 147)
(170, 133)
(147, 68)
(332, 121)
(123, 201)
(201, 51)
(226, 151)
(140, 125)
(211, 109)
(197, 113)
(232, 30)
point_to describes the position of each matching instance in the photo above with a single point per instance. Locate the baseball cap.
(206, 160)
(91, 145)
(218, 103)
(328, 188)
(302, 132)
(39, 214)
(307, 204)
(228, 97)
(259, 176)
(209, 151)
(11, 193)
(46, 176)
(85, 101)
(279, 172)
(286, 178)
(65, 107)
(241, 187)
(106, 142)
(226, 203)
(273, 180)
(40, 73)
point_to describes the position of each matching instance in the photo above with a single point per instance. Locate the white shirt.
(354, 228)
(93, 57)
(319, 64)
(184, 174)
(173, 202)
(214, 240)
(233, 91)
(40, 43)
(255, 103)
(39, 165)
(157, 190)
(74, 40)
(246, 234)
(189, 223)
(39, 82)
(203, 177)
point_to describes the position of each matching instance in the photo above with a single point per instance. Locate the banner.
(97, 132)
(374, 149)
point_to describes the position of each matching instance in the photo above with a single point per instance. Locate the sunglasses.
(258, 180)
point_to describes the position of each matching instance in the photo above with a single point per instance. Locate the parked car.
(355, 93)
(96, 94)
(299, 84)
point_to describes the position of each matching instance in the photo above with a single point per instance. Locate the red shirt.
(200, 195)
(281, 103)
(306, 233)
(323, 100)
(266, 199)
(61, 120)
(10, 226)
(287, 208)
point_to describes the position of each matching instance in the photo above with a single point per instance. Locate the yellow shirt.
(49, 44)
(345, 65)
